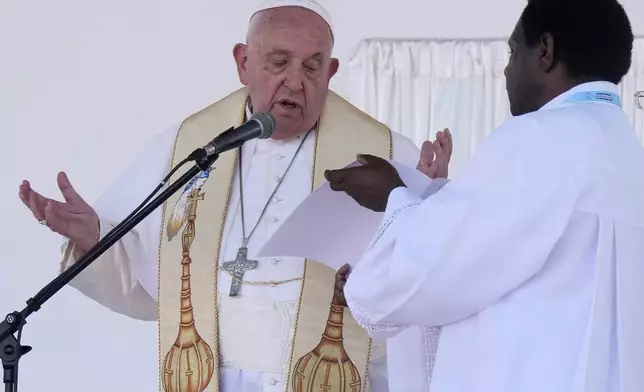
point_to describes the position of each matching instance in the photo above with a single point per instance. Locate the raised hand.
(435, 156)
(74, 219)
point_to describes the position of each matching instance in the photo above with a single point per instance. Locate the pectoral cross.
(237, 268)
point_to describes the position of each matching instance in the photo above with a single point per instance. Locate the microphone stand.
(10, 348)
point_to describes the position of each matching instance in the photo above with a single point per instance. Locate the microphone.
(260, 126)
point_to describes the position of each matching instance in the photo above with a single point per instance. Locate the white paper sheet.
(330, 227)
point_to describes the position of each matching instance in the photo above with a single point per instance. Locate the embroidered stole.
(329, 351)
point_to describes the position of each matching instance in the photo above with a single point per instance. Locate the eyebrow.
(281, 52)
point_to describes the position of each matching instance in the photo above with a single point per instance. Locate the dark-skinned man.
(524, 273)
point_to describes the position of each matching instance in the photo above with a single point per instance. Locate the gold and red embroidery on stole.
(329, 351)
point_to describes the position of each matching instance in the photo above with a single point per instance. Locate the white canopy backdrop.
(419, 87)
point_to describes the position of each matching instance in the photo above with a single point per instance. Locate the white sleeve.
(404, 150)
(437, 261)
(124, 278)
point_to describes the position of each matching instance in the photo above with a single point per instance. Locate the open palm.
(73, 218)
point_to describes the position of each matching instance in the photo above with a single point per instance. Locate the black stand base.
(10, 348)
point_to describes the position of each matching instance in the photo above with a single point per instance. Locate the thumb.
(367, 159)
(334, 175)
(66, 188)
(344, 270)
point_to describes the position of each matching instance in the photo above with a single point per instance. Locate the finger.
(447, 143)
(440, 165)
(334, 175)
(367, 159)
(339, 298)
(439, 135)
(439, 151)
(37, 205)
(426, 154)
(344, 179)
(23, 192)
(338, 186)
(343, 271)
(28, 195)
(68, 191)
(442, 159)
(53, 216)
(441, 138)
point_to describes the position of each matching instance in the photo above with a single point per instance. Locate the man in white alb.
(241, 324)
(526, 272)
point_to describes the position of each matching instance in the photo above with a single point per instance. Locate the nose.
(294, 78)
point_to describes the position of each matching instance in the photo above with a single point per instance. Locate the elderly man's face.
(287, 66)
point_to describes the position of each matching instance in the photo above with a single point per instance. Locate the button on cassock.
(273, 219)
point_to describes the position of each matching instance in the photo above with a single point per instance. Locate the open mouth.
(288, 104)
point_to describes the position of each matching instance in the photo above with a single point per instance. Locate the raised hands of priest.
(368, 184)
(435, 156)
(73, 218)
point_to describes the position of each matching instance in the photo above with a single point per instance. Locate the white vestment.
(526, 272)
(124, 279)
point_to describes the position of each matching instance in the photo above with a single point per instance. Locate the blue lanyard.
(596, 96)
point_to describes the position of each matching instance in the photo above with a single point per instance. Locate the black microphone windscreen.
(267, 122)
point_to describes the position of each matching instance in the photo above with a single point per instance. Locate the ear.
(547, 52)
(334, 65)
(241, 57)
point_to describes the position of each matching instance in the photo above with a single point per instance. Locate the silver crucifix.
(237, 268)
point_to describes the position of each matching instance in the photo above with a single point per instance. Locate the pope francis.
(227, 321)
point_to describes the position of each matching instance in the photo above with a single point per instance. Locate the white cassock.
(525, 273)
(124, 279)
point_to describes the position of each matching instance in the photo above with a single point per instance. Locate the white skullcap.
(311, 5)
